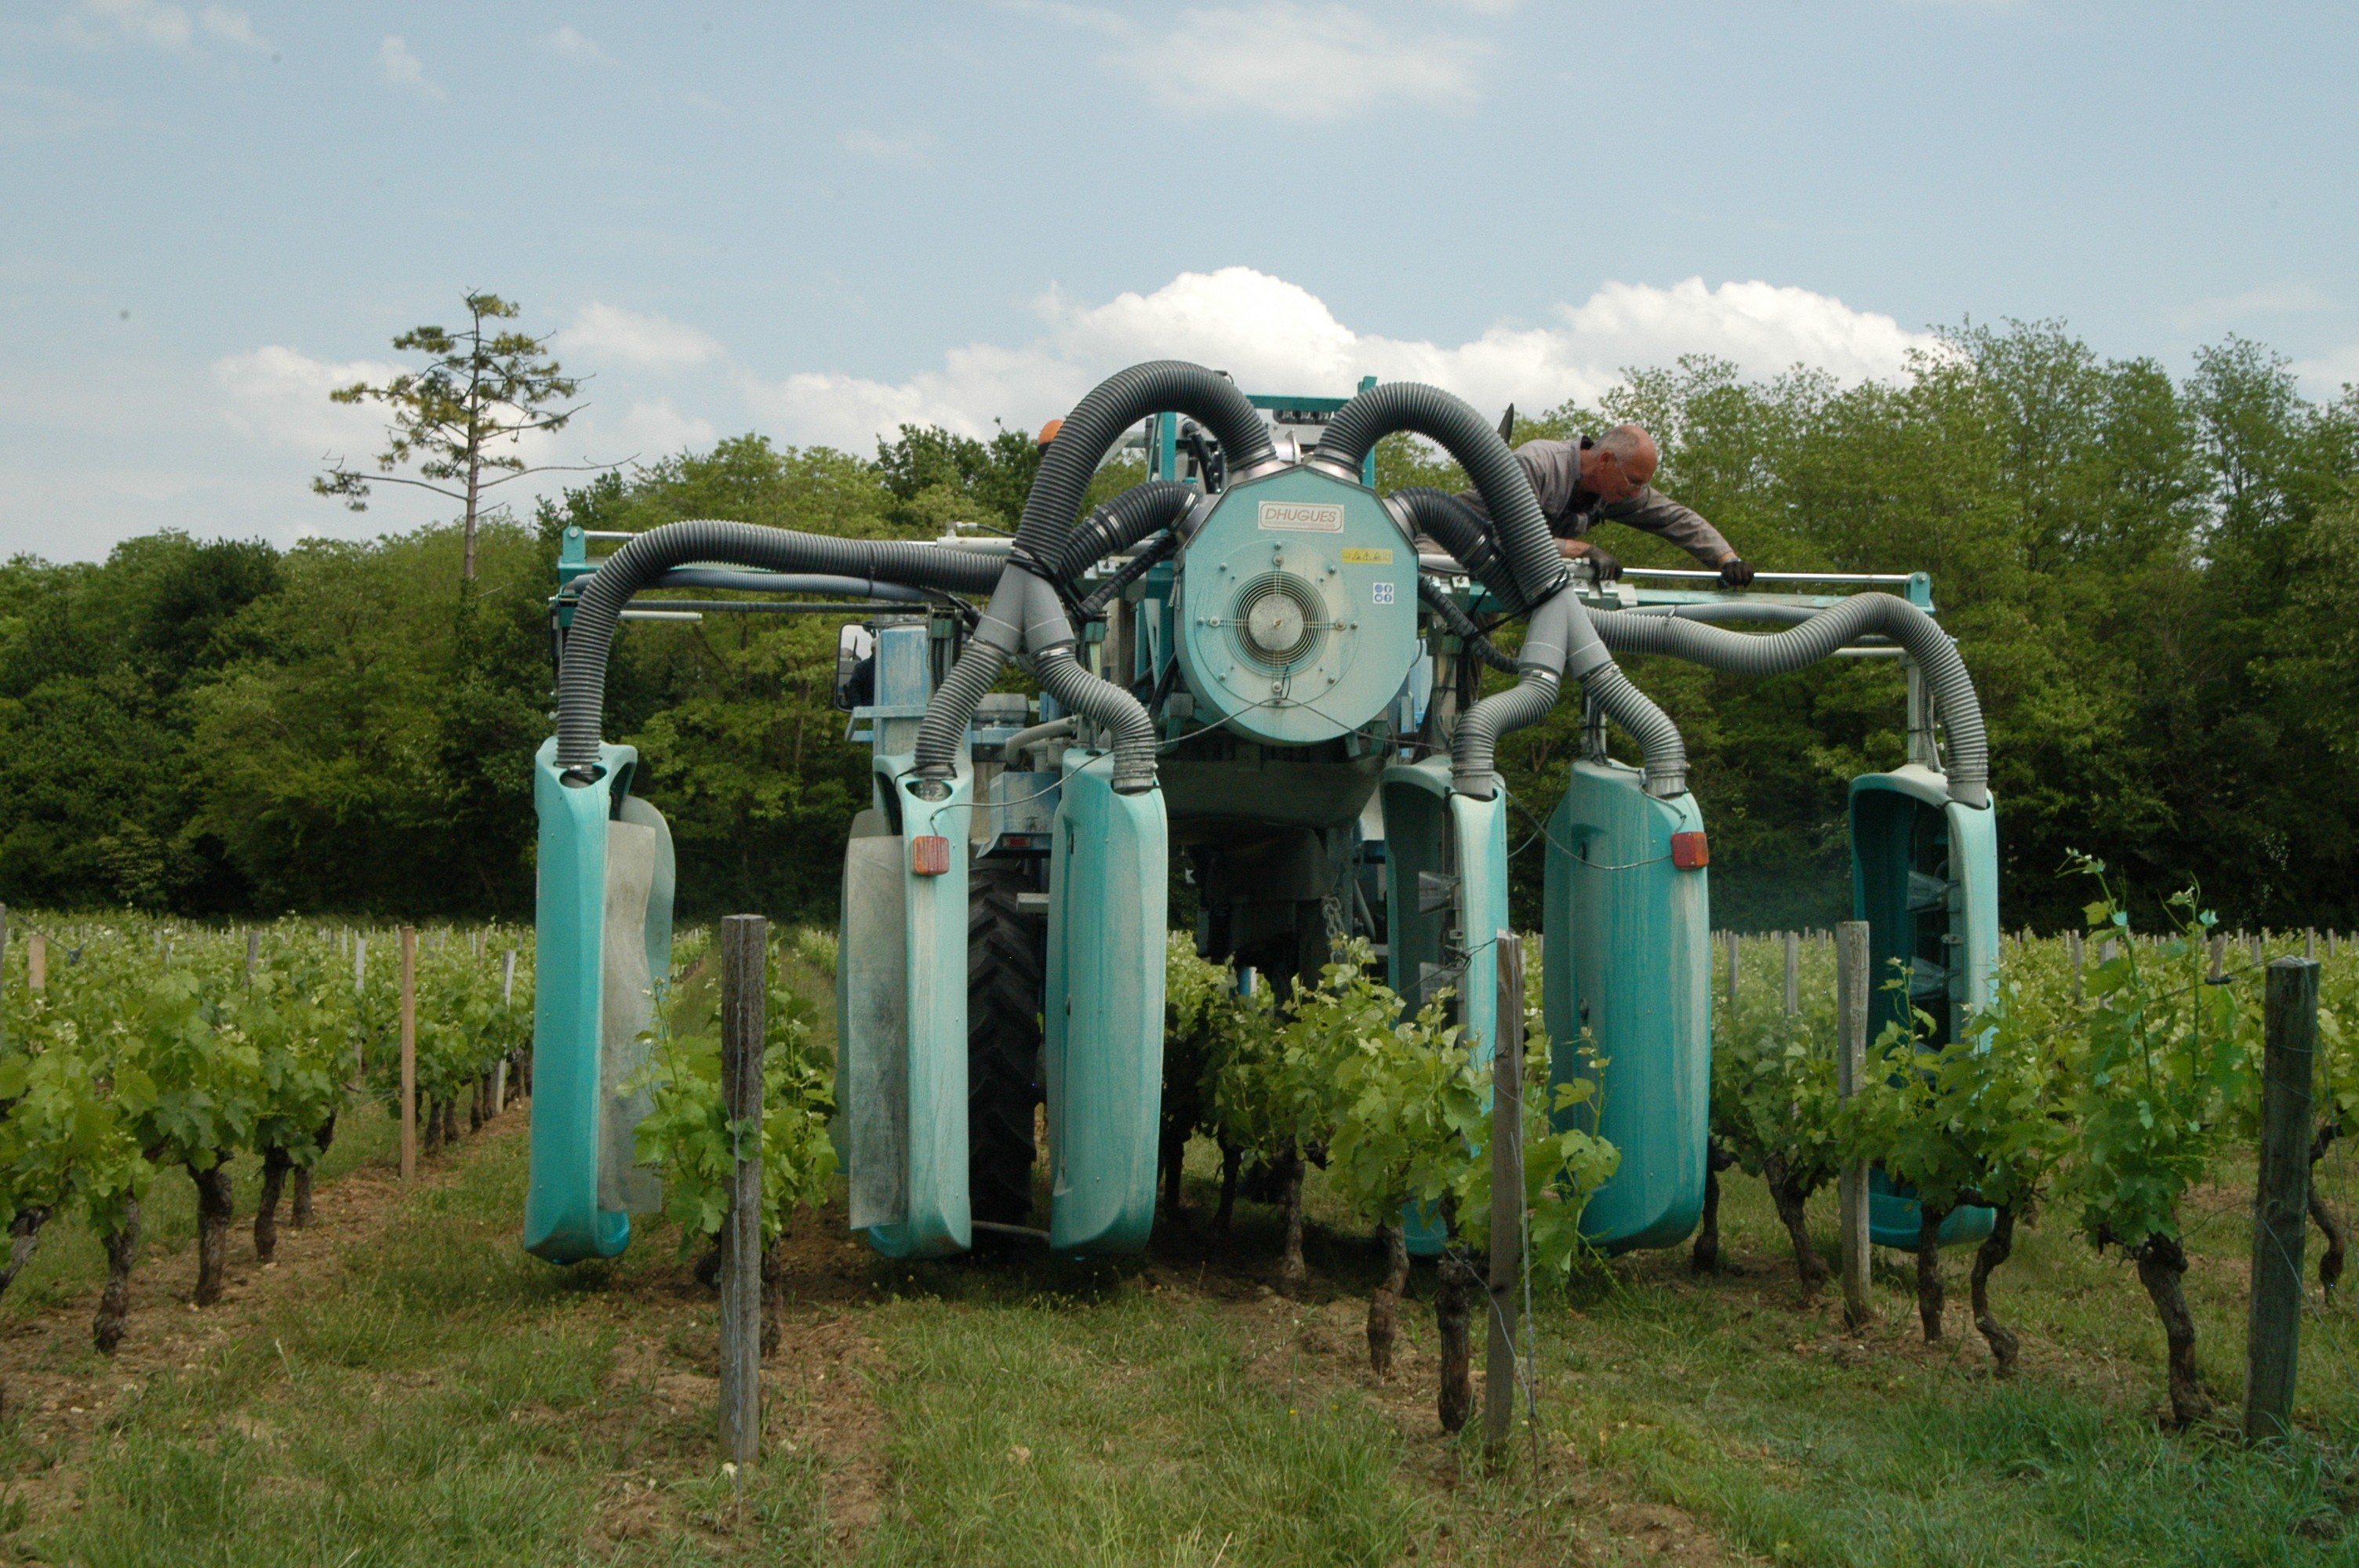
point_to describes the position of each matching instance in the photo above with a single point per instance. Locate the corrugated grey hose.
(1778, 653)
(1560, 641)
(1474, 749)
(1104, 703)
(581, 680)
(1089, 432)
(1027, 613)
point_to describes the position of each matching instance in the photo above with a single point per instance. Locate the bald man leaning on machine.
(1582, 483)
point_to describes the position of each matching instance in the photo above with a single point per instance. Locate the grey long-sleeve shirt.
(1554, 468)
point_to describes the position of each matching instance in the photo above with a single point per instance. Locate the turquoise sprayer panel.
(1894, 1219)
(1429, 829)
(1417, 840)
(1103, 1002)
(1628, 959)
(935, 1218)
(583, 1181)
(1925, 877)
(872, 1025)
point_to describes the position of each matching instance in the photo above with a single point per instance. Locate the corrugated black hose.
(1136, 514)
(1022, 619)
(582, 680)
(1462, 625)
(1465, 533)
(1560, 641)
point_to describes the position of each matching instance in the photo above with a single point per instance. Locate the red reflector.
(1691, 851)
(929, 857)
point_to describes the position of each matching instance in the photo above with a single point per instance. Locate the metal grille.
(1289, 628)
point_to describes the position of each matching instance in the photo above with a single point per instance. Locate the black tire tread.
(1003, 967)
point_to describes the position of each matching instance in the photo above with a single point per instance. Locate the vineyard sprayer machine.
(1255, 665)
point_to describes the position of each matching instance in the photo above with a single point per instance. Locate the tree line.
(2151, 578)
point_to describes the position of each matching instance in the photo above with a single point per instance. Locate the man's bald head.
(1618, 464)
(1633, 450)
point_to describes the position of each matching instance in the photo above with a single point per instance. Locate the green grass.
(446, 1399)
(436, 1396)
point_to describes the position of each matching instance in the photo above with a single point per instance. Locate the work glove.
(1736, 572)
(1602, 563)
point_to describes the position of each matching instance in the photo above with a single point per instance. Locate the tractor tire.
(1005, 958)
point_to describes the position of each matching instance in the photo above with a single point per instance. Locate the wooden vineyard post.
(36, 961)
(1793, 973)
(409, 1052)
(252, 953)
(1850, 1066)
(2072, 947)
(2280, 1199)
(359, 974)
(1507, 1197)
(2219, 958)
(744, 944)
(507, 998)
(1731, 971)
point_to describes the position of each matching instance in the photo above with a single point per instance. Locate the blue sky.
(816, 222)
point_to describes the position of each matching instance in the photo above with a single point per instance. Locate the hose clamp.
(1268, 465)
(1192, 521)
(1399, 514)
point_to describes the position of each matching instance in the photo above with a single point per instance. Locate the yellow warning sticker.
(1360, 556)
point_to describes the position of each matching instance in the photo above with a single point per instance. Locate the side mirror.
(856, 667)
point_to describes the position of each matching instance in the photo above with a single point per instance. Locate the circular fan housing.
(1278, 623)
(1294, 610)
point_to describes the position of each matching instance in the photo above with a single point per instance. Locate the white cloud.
(231, 26)
(909, 148)
(569, 43)
(141, 21)
(2269, 299)
(2327, 375)
(278, 396)
(612, 333)
(1763, 327)
(975, 384)
(655, 429)
(404, 68)
(1287, 60)
(1273, 335)
(166, 26)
